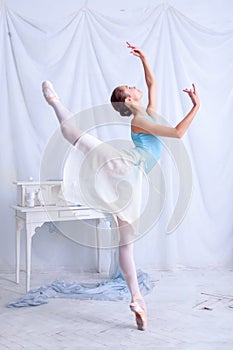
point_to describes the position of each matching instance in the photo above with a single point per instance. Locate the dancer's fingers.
(130, 45)
(133, 47)
(135, 53)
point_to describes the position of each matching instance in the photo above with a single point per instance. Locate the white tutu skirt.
(98, 175)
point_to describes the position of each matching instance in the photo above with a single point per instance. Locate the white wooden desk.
(31, 218)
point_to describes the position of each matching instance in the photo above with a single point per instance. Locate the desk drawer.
(80, 213)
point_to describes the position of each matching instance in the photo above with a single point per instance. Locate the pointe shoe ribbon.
(49, 92)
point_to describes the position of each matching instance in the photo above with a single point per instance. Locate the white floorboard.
(189, 309)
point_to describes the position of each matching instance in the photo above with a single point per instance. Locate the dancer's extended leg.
(63, 114)
(127, 265)
(106, 154)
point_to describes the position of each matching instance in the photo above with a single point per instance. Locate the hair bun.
(118, 102)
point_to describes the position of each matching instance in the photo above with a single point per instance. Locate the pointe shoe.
(138, 307)
(49, 92)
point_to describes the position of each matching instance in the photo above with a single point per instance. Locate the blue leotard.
(149, 146)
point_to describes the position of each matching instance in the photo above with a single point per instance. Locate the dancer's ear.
(128, 99)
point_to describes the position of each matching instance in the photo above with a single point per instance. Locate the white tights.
(70, 133)
(126, 258)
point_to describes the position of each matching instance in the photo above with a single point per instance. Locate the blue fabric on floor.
(111, 289)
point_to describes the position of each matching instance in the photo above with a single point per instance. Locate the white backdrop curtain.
(82, 51)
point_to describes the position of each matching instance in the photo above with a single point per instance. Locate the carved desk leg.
(19, 225)
(97, 221)
(30, 228)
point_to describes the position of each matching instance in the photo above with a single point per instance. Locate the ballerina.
(146, 134)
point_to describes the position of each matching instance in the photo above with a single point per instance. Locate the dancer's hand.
(193, 95)
(136, 51)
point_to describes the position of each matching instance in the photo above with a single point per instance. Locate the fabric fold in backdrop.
(181, 50)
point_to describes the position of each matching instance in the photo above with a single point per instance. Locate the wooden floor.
(189, 309)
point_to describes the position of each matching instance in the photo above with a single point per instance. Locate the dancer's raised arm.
(150, 79)
(146, 126)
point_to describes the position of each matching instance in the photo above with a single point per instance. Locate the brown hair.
(118, 101)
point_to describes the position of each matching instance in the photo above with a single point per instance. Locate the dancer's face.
(134, 93)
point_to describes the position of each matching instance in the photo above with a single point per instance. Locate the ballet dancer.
(146, 135)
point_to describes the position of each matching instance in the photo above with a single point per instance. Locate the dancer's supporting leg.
(127, 265)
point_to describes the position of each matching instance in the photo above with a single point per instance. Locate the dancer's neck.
(138, 110)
